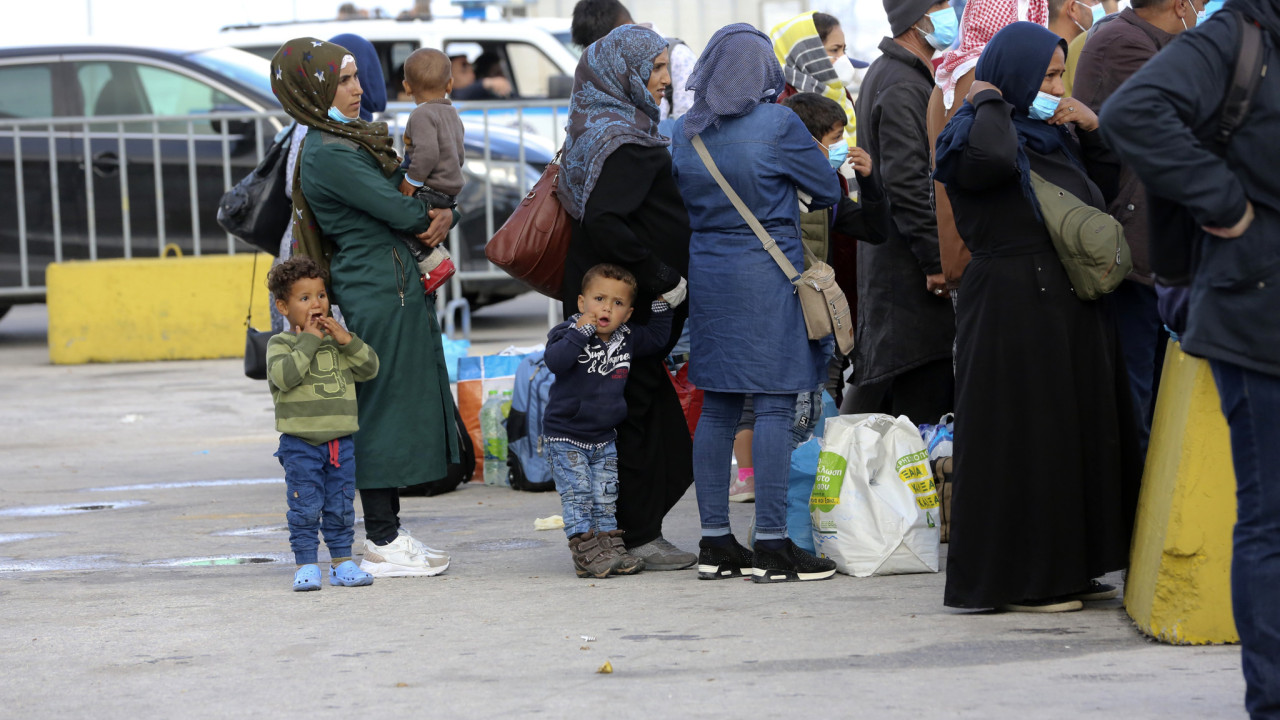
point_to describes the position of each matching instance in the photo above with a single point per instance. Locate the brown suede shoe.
(593, 555)
(627, 564)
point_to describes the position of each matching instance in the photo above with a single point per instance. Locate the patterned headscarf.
(982, 20)
(304, 78)
(807, 67)
(611, 107)
(737, 72)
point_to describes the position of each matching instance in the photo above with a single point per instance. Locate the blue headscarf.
(1015, 61)
(611, 107)
(737, 71)
(372, 83)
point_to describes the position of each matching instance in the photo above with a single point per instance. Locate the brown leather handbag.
(531, 246)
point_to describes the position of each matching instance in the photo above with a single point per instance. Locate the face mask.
(838, 153)
(1098, 12)
(945, 29)
(335, 114)
(844, 70)
(1044, 107)
(1210, 8)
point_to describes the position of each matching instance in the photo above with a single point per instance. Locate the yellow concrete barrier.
(154, 309)
(1178, 588)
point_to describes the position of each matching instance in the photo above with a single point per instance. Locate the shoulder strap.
(769, 245)
(1247, 76)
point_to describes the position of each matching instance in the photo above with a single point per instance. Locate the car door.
(137, 210)
(29, 89)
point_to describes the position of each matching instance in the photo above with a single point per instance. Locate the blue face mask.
(334, 114)
(945, 29)
(1098, 12)
(1210, 8)
(1044, 106)
(838, 153)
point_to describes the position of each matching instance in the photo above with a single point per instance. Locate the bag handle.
(253, 280)
(770, 245)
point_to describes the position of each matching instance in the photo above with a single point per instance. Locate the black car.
(90, 184)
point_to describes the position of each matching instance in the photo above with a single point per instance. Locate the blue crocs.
(348, 574)
(307, 578)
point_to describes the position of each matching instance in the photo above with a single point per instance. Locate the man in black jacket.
(1158, 123)
(902, 360)
(1111, 55)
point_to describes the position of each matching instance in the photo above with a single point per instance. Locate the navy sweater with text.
(585, 403)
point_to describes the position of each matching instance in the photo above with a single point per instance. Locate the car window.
(124, 88)
(26, 91)
(532, 70)
(392, 55)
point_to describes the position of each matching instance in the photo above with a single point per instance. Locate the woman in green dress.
(346, 210)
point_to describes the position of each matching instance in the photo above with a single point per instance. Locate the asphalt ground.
(117, 478)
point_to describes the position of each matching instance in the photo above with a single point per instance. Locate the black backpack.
(1174, 234)
(459, 472)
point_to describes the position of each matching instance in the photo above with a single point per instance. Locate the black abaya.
(1046, 460)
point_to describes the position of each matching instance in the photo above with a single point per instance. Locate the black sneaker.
(715, 562)
(789, 565)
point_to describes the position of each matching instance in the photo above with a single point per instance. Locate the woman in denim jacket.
(747, 329)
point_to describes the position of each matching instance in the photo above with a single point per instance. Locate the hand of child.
(406, 187)
(588, 318)
(860, 160)
(334, 328)
(312, 326)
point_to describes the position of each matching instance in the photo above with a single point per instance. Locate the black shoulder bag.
(257, 210)
(255, 342)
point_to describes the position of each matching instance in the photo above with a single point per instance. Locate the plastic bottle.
(494, 435)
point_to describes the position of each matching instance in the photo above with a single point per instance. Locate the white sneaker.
(423, 547)
(400, 558)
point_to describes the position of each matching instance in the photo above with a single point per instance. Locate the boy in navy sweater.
(590, 354)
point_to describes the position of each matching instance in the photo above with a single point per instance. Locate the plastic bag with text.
(874, 506)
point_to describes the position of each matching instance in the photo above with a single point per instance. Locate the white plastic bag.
(874, 505)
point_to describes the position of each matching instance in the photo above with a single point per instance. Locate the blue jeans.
(1251, 403)
(770, 453)
(320, 493)
(587, 481)
(1142, 341)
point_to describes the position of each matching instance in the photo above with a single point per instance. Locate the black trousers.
(655, 452)
(381, 514)
(923, 394)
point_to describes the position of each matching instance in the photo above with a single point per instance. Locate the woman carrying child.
(347, 208)
(616, 184)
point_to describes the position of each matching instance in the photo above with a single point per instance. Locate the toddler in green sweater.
(312, 368)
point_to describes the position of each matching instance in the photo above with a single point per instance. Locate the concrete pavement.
(159, 465)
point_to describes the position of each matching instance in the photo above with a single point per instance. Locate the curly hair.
(282, 277)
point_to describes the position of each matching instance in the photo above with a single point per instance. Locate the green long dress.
(406, 432)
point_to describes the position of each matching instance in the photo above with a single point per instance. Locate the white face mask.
(845, 71)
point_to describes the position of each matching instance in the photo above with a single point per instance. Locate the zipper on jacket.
(399, 274)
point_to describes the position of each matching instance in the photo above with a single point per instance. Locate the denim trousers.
(1251, 404)
(770, 453)
(321, 490)
(587, 480)
(1142, 341)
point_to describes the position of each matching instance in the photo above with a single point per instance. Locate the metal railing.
(74, 155)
